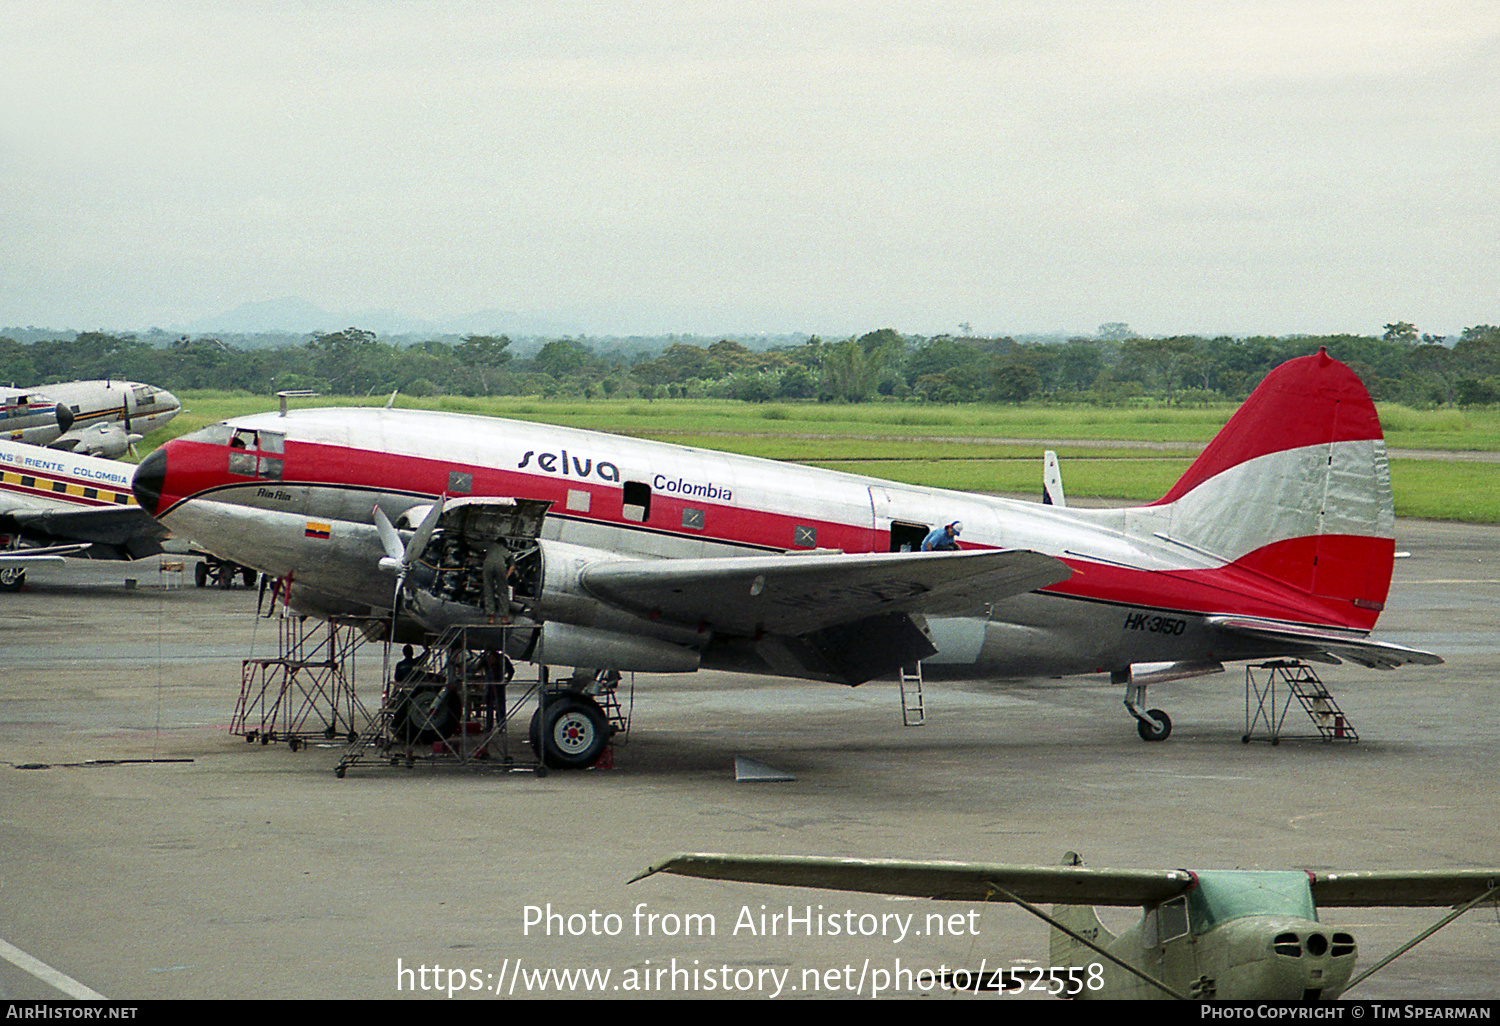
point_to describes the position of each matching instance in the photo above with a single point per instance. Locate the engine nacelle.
(565, 644)
(561, 596)
(447, 588)
(107, 440)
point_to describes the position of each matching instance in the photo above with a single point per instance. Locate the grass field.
(957, 447)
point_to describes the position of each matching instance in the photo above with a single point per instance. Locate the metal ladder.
(1321, 708)
(1300, 681)
(913, 712)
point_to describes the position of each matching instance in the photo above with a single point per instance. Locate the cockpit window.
(253, 453)
(1224, 896)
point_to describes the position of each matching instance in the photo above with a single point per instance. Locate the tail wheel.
(570, 732)
(1158, 731)
(12, 578)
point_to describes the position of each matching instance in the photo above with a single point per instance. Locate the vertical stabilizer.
(1052, 489)
(1296, 487)
(1084, 921)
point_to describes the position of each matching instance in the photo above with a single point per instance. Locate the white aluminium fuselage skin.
(1144, 578)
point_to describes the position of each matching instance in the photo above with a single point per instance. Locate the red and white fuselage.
(1278, 540)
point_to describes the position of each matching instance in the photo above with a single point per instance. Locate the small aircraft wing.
(1431, 889)
(952, 881)
(796, 594)
(1356, 648)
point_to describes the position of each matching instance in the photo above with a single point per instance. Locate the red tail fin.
(1296, 486)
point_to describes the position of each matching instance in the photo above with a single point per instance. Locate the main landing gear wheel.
(425, 715)
(1159, 731)
(12, 578)
(569, 732)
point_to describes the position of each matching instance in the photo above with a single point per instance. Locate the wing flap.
(952, 881)
(1356, 648)
(797, 594)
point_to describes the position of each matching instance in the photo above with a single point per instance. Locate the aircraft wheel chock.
(1151, 732)
(571, 732)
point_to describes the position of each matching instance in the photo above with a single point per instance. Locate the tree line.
(1115, 367)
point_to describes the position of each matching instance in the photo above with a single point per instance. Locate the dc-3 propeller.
(399, 558)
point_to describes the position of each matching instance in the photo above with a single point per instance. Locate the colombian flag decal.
(318, 530)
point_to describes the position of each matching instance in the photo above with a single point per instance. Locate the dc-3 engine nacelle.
(107, 440)
(480, 545)
(582, 631)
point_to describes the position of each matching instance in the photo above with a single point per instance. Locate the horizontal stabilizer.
(953, 881)
(1300, 639)
(798, 594)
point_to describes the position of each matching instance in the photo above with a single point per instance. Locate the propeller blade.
(424, 532)
(389, 539)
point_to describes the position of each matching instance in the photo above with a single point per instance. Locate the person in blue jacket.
(943, 539)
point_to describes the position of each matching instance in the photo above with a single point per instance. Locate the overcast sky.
(1035, 165)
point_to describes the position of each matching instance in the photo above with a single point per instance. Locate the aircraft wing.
(953, 881)
(1356, 648)
(108, 525)
(1406, 889)
(798, 594)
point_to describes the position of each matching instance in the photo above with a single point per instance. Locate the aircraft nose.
(150, 478)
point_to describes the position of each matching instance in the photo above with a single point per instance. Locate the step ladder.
(1321, 708)
(913, 713)
(1298, 681)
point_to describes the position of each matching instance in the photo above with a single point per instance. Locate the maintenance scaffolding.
(307, 690)
(459, 704)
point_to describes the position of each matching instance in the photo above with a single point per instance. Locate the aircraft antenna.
(296, 393)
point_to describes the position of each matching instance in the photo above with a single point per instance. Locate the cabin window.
(460, 483)
(636, 501)
(692, 519)
(804, 536)
(241, 463)
(578, 501)
(1172, 919)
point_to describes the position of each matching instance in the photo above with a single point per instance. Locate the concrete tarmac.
(252, 872)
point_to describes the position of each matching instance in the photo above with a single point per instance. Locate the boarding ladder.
(913, 713)
(1300, 682)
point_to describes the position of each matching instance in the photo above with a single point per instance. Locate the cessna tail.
(627, 554)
